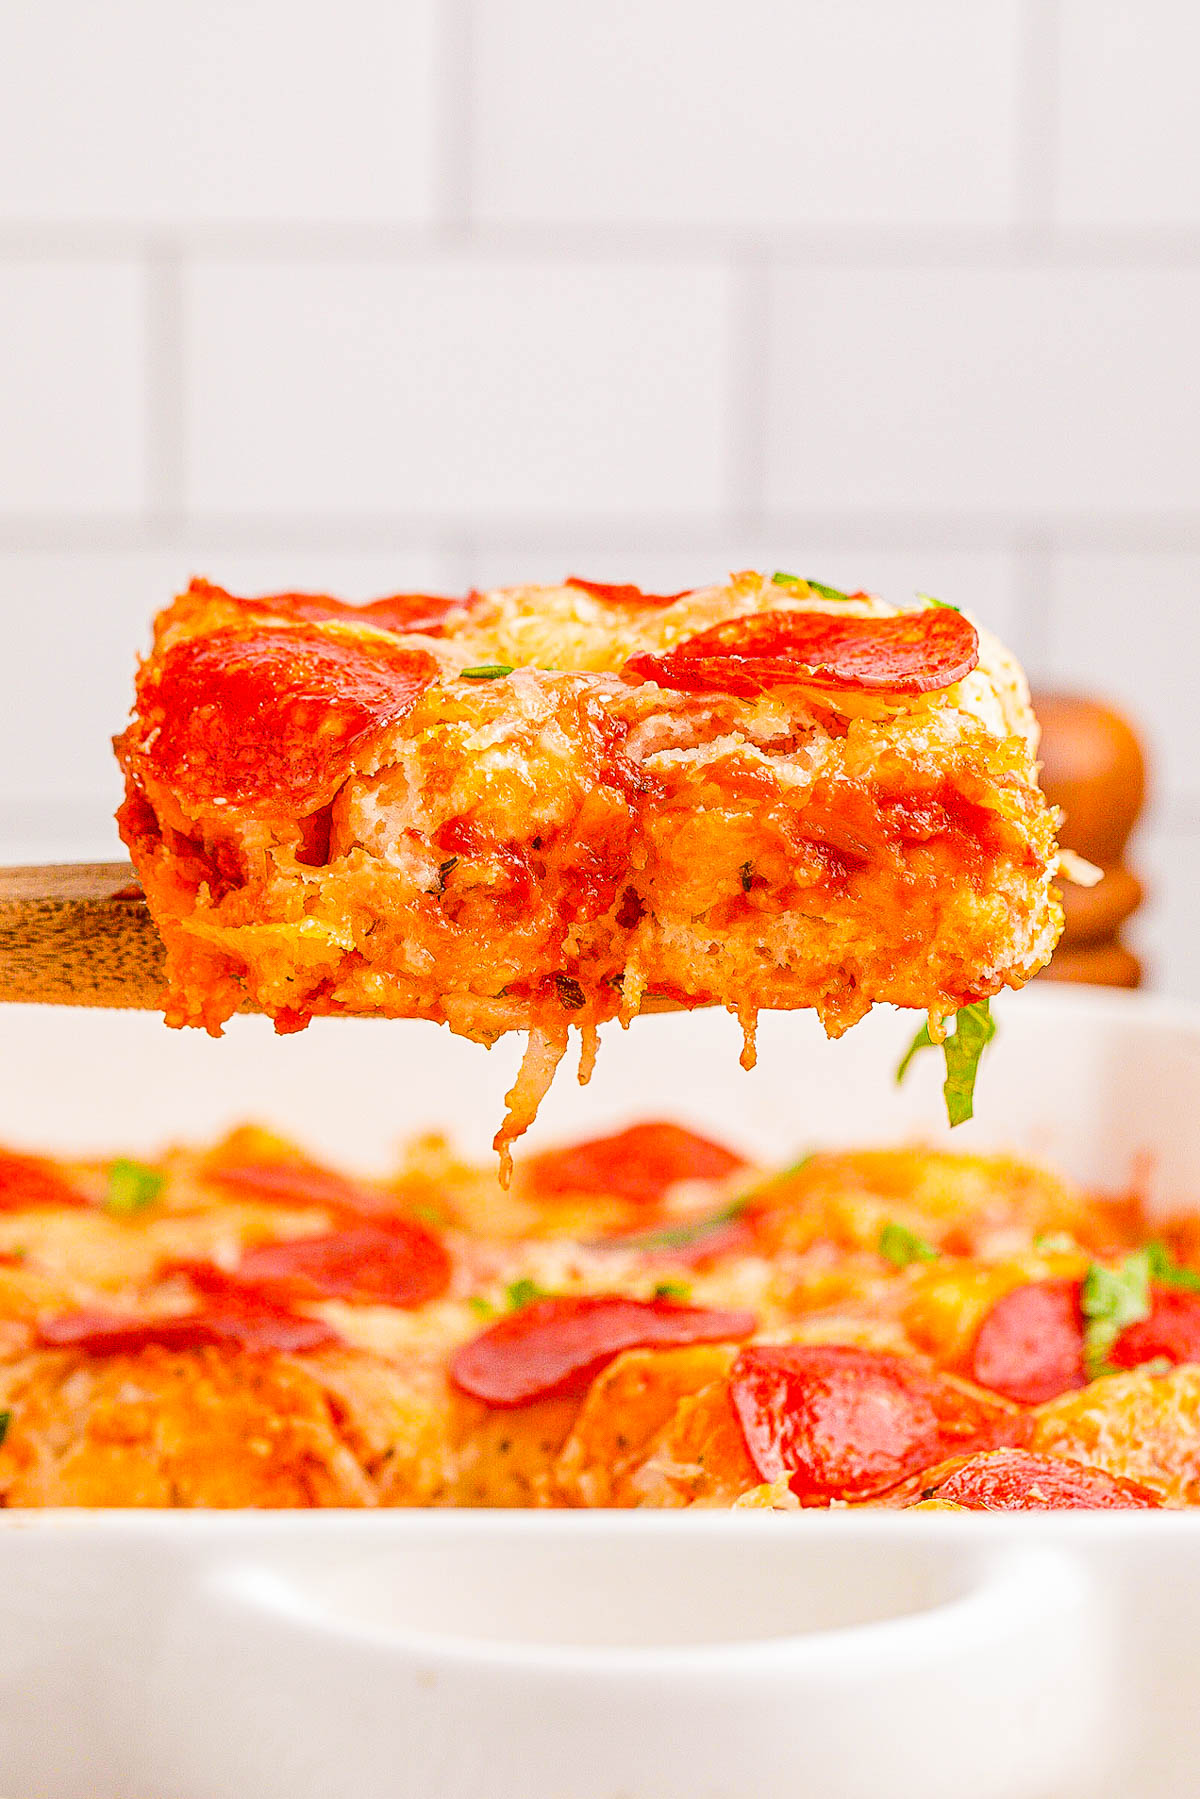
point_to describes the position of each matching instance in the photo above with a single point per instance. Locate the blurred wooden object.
(1094, 767)
(78, 935)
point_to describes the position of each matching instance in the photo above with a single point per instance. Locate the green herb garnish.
(483, 1306)
(682, 1236)
(900, 1246)
(522, 1293)
(1055, 1243)
(974, 1028)
(487, 671)
(673, 1290)
(1167, 1271)
(5, 1421)
(944, 604)
(827, 593)
(1110, 1299)
(131, 1188)
(426, 1212)
(785, 1174)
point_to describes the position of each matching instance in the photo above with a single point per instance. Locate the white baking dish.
(607, 1656)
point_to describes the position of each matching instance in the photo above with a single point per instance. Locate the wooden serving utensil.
(78, 935)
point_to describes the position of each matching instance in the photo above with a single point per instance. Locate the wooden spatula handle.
(78, 935)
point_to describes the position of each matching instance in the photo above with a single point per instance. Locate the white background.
(386, 293)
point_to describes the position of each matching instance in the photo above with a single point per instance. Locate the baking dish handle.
(271, 1685)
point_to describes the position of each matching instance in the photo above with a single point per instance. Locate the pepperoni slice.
(848, 1423)
(405, 1265)
(247, 716)
(256, 1330)
(1030, 1345)
(639, 1164)
(27, 1181)
(300, 1184)
(1017, 1480)
(400, 612)
(625, 594)
(911, 652)
(425, 612)
(1172, 1330)
(556, 1347)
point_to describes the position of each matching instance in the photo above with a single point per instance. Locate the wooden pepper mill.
(1093, 766)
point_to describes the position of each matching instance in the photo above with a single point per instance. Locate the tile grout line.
(748, 375)
(1034, 553)
(165, 403)
(1029, 243)
(453, 121)
(973, 532)
(1036, 171)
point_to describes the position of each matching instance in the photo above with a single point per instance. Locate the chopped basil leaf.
(1055, 1243)
(522, 1293)
(772, 1181)
(483, 1306)
(426, 1212)
(921, 1041)
(1167, 1271)
(1111, 1298)
(487, 671)
(131, 1188)
(900, 1246)
(827, 593)
(944, 604)
(673, 1290)
(974, 1028)
(5, 1421)
(682, 1236)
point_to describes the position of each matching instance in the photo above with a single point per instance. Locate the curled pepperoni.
(639, 1164)
(404, 1265)
(273, 715)
(1017, 1480)
(848, 1423)
(624, 594)
(256, 1330)
(1172, 1330)
(910, 652)
(27, 1181)
(1030, 1345)
(556, 1347)
(425, 612)
(300, 1184)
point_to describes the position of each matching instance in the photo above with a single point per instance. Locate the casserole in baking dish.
(594, 1655)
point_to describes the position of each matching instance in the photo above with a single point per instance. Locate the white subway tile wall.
(432, 293)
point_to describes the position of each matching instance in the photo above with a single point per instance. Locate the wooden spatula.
(78, 935)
